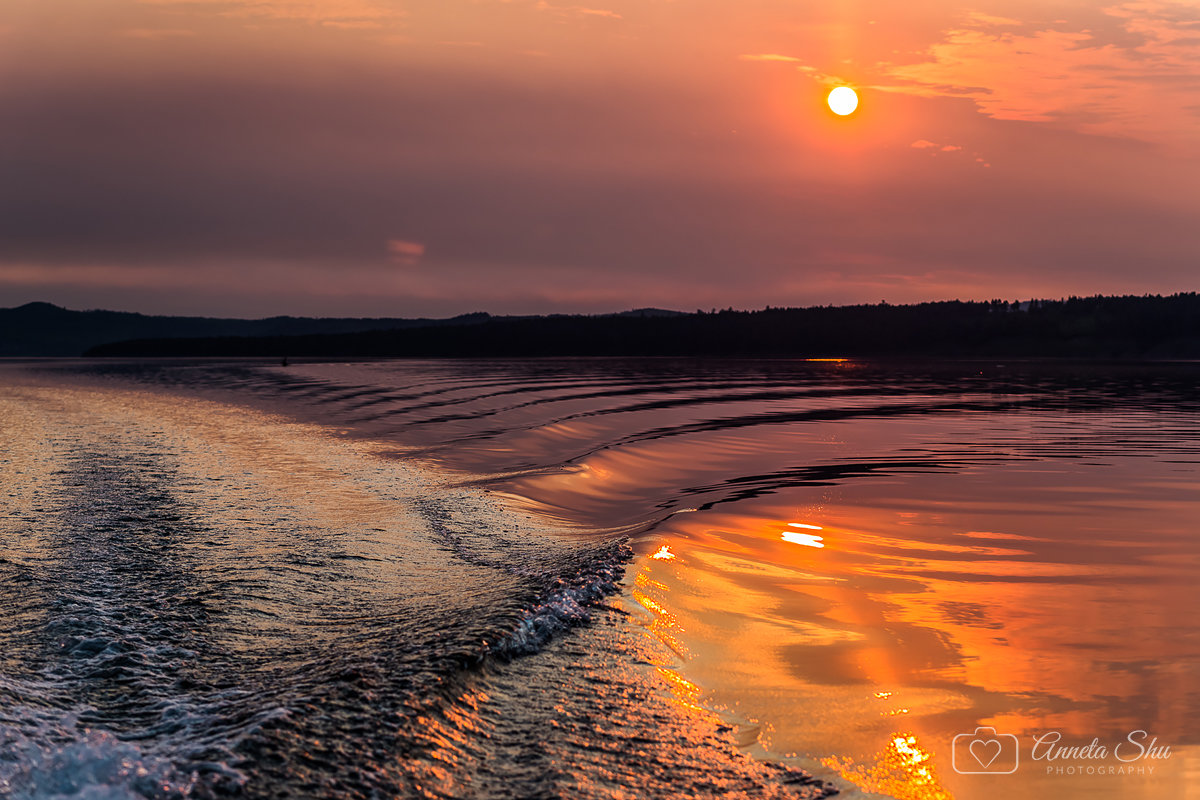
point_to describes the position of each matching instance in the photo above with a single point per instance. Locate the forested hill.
(1091, 327)
(43, 329)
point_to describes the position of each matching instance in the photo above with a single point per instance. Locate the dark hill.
(42, 329)
(1092, 327)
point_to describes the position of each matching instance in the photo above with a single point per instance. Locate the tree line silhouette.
(1150, 326)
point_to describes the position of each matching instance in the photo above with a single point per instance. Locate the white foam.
(564, 608)
(55, 761)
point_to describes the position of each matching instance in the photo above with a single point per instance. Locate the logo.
(985, 752)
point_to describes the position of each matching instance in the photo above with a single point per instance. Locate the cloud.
(934, 148)
(990, 21)
(157, 33)
(352, 24)
(581, 11)
(332, 13)
(809, 70)
(404, 252)
(1127, 76)
(767, 57)
(596, 12)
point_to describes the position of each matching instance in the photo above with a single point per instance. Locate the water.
(542, 578)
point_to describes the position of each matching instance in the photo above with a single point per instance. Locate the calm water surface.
(852, 564)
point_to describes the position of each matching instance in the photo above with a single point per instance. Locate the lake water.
(336, 579)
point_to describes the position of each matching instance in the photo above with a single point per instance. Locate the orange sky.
(409, 157)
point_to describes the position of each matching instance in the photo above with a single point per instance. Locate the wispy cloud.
(768, 57)
(581, 11)
(1128, 82)
(330, 13)
(596, 12)
(934, 148)
(798, 63)
(352, 24)
(404, 252)
(157, 33)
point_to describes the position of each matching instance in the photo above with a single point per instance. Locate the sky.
(435, 157)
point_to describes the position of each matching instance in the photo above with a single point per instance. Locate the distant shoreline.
(1135, 328)
(1119, 328)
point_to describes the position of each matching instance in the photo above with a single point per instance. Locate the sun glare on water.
(843, 100)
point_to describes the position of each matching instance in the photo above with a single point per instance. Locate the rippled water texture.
(852, 563)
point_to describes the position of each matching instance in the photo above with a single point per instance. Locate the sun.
(843, 101)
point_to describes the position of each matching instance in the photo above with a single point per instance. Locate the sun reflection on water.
(903, 770)
(839, 576)
(806, 539)
(948, 623)
(662, 622)
(664, 554)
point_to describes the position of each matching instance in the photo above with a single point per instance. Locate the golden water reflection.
(917, 600)
(902, 769)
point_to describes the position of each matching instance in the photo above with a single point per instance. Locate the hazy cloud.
(405, 253)
(328, 12)
(157, 33)
(768, 57)
(584, 11)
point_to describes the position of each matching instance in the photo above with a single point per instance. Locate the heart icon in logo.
(985, 746)
(986, 751)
